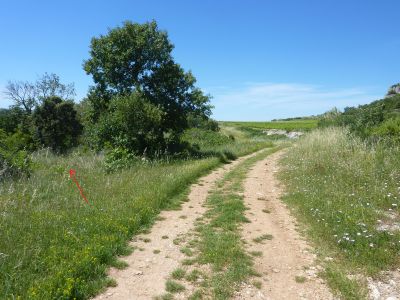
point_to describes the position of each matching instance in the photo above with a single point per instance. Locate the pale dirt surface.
(386, 287)
(287, 255)
(284, 257)
(147, 272)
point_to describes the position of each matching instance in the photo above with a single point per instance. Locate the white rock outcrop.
(289, 134)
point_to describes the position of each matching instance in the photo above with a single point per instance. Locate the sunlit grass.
(342, 188)
(54, 245)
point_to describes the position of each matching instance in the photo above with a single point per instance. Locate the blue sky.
(259, 60)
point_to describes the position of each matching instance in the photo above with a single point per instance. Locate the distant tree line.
(141, 102)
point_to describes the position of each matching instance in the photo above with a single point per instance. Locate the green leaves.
(377, 119)
(141, 95)
(14, 159)
(126, 55)
(57, 124)
(132, 123)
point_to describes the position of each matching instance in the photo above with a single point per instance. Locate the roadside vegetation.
(54, 245)
(343, 181)
(374, 121)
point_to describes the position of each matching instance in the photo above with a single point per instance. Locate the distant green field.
(307, 124)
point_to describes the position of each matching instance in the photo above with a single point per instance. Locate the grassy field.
(55, 246)
(302, 125)
(343, 190)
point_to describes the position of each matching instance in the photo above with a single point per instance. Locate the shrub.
(10, 119)
(14, 159)
(57, 124)
(118, 158)
(204, 139)
(330, 118)
(390, 129)
(132, 123)
(365, 120)
(200, 121)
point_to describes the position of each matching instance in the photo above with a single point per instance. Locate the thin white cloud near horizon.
(266, 101)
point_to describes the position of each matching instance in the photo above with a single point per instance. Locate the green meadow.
(55, 246)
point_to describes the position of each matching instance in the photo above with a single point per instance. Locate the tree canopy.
(57, 125)
(124, 58)
(136, 58)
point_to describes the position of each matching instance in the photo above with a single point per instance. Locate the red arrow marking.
(72, 174)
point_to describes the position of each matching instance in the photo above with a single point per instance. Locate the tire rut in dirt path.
(282, 256)
(156, 255)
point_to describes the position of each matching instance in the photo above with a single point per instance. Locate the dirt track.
(284, 264)
(148, 271)
(286, 256)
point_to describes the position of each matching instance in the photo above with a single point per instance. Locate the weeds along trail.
(158, 252)
(349, 201)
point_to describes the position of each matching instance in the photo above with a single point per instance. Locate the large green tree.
(136, 58)
(127, 55)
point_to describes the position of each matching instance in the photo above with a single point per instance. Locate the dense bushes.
(205, 139)
(40, 116)
(201, 121)
(56, 124)
(141, 103)
(14, 159)
(375, 120)
(118, 158)
(10, 119)
(390, 128)
(132, 123)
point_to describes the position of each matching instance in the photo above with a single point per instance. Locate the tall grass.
(344, 188)
(55, 246)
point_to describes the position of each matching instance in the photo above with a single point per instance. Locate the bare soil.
(287, 265)
(156, 255)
